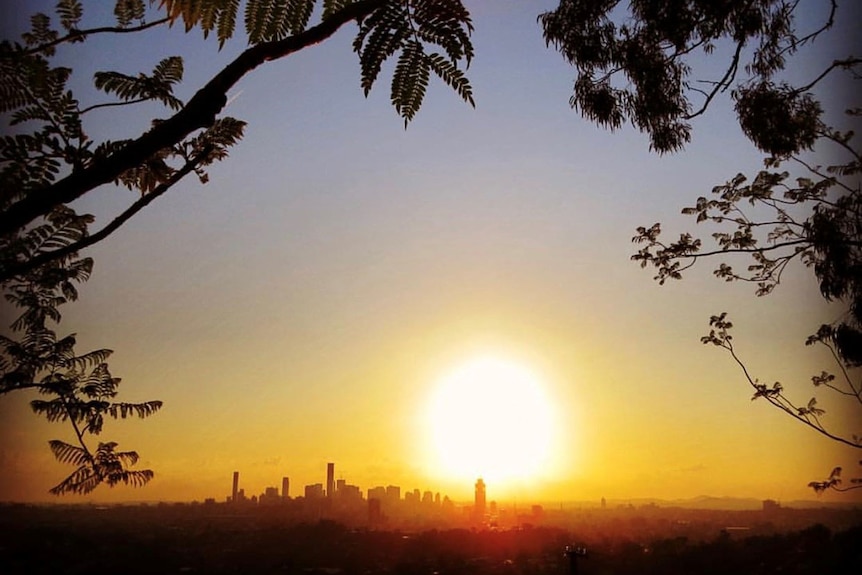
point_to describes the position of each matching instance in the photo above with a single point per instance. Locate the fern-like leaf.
(208, 16)
(218, 15)
(66, 453)
(381, 35)
(70, 12)
(455, 78)
(267, 20)
(133, 478)
(127, 11)
(257, 19)
(446, 23)
(330, 7)
(298, 14)
(99, 383)
(142, 410)
(40, 31)
(159, 86)
(227, 22)
(169, 71)
(82, 362)
(409, 81)
(127, 457)
(81, 481)
(277, 23)
(215, 141)
(28, 114)
(53, 410)
(107, 465)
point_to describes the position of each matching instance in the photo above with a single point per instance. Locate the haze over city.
(431, 306)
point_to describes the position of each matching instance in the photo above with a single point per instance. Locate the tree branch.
(816, 171)
(112, 104)
(200, 112)
(747, 250)
(89, 240)
(9, 389)
(856, 392)
(722, 84)
(830, 21)
(77, 429)
(729, 347)
(849, 62)
(76, 34)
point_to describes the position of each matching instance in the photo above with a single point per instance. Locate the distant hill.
(716, 503)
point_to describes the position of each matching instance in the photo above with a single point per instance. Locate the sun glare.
(490, 418)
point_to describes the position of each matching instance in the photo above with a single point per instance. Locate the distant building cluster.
(379, 506)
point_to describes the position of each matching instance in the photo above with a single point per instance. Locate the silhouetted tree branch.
(52, 162)
(87, 241)
(774, 219)
(808, 415)
(200, 112)
(81, 35)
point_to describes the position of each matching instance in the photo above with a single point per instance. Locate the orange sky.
(303, 306)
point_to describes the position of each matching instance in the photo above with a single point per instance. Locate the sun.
(490, 418)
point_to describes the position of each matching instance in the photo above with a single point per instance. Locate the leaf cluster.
(767, 222)
(777, 118)
(407, 28)
(34, 95)
(635, 63)
(40, 269)
(105, 466)
(772, 221)
(156, 86)
(809, 414)
(834, 481)
(78, 387)
(423, 35)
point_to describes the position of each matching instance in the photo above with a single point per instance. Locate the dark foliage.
(165, 539)
(635, 63)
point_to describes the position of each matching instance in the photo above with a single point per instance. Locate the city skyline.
(335, 488)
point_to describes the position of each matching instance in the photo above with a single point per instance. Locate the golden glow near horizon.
(491, 418)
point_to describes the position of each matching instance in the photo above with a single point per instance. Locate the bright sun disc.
(491, 418)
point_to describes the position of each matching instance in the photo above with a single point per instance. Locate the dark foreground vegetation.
(181, 540)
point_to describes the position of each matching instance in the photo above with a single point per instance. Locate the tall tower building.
(330, 479)
(285, 488)
(479, 505)
(235, 490)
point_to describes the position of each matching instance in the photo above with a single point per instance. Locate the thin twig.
(89, 240)
(76, 34)
(836, 64)
(728, 346)
(722, 84)
(112, 104)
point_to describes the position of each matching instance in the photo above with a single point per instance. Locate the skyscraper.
(330, 479)
(313, 492)
(235, 490)
(285, 488)
(479, 506)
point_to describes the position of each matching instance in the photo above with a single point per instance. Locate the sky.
(305, 305)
